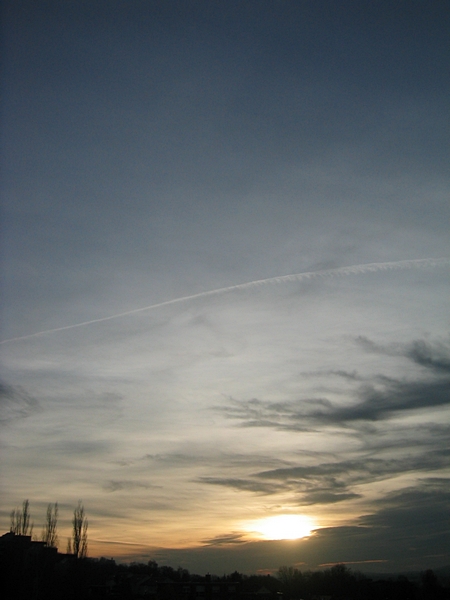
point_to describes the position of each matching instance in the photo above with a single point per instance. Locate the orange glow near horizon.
(282, 527)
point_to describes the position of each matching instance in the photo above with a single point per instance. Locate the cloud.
(380, 415)
(432, 356)
(339, 475)
(175, 459)
(188, 456)
(416, 437)
(417, 513)
(325, 497)
(330, 482)
(15, 403)
(246, 157)
(378, 404)
(373, 403)
(126, 485)
(435, 357)
(223, 540)
(410, 520)
(388, 446)
(259, 413)
(375, 400)
(77, 449)
(242, 484)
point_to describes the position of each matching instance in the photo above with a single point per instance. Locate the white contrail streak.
(340, 271)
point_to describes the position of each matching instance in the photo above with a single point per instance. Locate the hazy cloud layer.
(154, 152)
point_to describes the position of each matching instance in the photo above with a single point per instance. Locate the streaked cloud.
(15, 403)
(225, 262)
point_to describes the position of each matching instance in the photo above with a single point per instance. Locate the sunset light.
(224, 318)
(283, 527)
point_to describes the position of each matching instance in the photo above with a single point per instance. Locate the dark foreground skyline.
(157, 150)
(34, 569)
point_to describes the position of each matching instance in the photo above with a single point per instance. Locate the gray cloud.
(340, 474)
(397, 396)
(382, 437)
(160, 150)
(373, 403)
(333, 481)
(174, 459)
(325, 497)
(224, 540)
(242, 484)
(258, 413)
(380, 399)
(78, 448)
(126, 485)
(16, 403)
(214, 458)
(434, 356)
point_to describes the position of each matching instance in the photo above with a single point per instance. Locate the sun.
(282, 527)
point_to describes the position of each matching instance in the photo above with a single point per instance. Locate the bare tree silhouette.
(20, 520)
(49, 531)
(77, 545)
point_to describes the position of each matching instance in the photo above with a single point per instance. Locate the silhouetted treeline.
(77, 544)
(33, 570)
(339, 582)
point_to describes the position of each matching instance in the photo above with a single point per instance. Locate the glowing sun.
(283, 527)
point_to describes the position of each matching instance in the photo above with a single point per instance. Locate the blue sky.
(157, 150)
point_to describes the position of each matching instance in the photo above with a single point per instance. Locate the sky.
(154, 151)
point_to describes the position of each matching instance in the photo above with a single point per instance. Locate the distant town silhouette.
(34, 569)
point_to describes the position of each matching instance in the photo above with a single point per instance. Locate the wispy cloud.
(375, 404)
(334, 481)
(225, 540)
(126, 485)
(326, 497)
(16, 403)
(435, 356)
(380, 399)
(242, 484)
(217, 300)
(340, 474)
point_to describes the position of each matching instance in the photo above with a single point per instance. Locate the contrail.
(296, 277)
